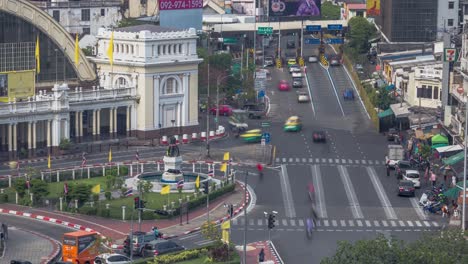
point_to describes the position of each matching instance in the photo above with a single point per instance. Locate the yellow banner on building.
(373, 7)
(17, 84)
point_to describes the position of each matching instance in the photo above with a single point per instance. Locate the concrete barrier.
(176, 139)
(194, 136)
(164, 140)
(203, 136)
(185, 138)
(212, 134)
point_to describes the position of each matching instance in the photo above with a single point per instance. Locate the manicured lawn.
(56, 188)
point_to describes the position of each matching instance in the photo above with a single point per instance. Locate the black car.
(159, 247)
(402, 166)
(406, 188)
(392, 134)
(319, 136)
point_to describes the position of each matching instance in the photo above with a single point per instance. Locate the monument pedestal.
(172, 172)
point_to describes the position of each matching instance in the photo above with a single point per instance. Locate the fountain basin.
(156, 178)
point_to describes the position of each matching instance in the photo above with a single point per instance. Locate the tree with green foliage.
(360, 31)
(384, 98)
(446, 247)
(329, 11)
(80, 192)
(20, 186)
(210, 231)
(39, 189)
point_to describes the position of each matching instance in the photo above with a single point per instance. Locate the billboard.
(300, 8)
(19, 85)
(182, 19)
(373, 7)
(180, 4)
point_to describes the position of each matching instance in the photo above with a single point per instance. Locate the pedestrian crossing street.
(332, 161)
(299, 223)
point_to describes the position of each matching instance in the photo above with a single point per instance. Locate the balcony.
(460, 97)
(98, 93)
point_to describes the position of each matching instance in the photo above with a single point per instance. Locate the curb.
(115, 246)
(57, 245)
(274, 252)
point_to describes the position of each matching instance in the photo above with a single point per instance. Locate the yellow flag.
(77, 50)
(166, 189)
(197, 182)
(225, 236)
(38, 56)
(226, 225)
(110, 155)
(226, 156)
(223, 167)
(49, 165)
(96, 189)
(110, 49)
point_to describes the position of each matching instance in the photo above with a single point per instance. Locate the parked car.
(284, 85)
(401, 167)
(269, 61)
(319, 136)
(108, 258)
(160, 247)
(140, 239)
(406, 188)
(303, 97)
(291, 44)
(224, 110)
(313, 59)
(392, 134)
(297, 82)
(413, 175)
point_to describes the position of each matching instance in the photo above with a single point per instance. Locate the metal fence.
(17, 56)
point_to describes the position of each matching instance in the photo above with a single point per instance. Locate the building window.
(451, 5)
(56, 15)
(85, 15)
(424, 92)
(131, 49)
(436, 92)
(360, 13)
(450, 22)
(86, 31)
(103, 12)
(170, 86)
(121, 82)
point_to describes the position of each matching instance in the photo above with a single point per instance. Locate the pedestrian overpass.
(277, 26)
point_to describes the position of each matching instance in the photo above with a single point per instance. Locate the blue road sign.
(261, 94)
(311, 41)
(267, 137)
(334, 41)
(335, 27)
(314, 28)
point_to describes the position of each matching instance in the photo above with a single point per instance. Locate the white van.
(297, 75)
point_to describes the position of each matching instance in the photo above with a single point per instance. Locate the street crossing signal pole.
(245, 218)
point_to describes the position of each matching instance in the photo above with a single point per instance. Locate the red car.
(224, 110)
(284, 85)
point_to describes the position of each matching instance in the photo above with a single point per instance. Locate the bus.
(80, 247)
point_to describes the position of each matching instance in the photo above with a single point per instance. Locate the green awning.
(439, 139)
(454, 159)
(452, 193)
(438, 146)
(385, 113)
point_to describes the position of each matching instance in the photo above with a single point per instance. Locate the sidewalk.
(253, 249)
(117, 229)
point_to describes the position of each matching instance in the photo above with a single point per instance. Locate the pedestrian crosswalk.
(337, 223)
(334, 161)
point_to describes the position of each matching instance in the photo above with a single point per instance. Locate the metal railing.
(76, 4)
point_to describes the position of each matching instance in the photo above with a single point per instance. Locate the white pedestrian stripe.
(393, 223)
(293, 222)
(234, 221)
(285, 222)
(426, 223)
(325, 223)
(304, 160)
(401, 223)
(277, 159)
(363, 161)
(435, 224)
(384, 201)
(343, 161)
(351, 222)
(418, 223)
(298, 160)
(251, 222)
(337, 161)
(334, 223)
(359, 222)
(356, 161)
(319, 192)
(377, 162)
(370, 162)
(330, 160)
(410, 223)
(260, 222)
(242, 221)
(384, 223)
(311, 160)
(418, 209)
(317, 160)
(284, 160)
(368, 223)
(301, 222)
(376, 223)
(350, 193)
(287, 194)
(290, 160)
(343, 222)
(324, 160)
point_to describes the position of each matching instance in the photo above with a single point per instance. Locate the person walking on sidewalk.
(388, 170)
(156, 232)
(261, 255)
(454, 180)
(433, 178)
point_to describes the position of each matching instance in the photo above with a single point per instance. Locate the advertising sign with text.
(180, 4)
(373, 7)
(299, 8)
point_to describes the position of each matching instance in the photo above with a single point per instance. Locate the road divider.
(336, 93)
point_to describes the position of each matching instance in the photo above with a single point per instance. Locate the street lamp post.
(464, 167)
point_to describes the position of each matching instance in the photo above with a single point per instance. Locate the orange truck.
(80, 247)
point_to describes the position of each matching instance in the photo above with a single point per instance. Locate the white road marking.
(311, 160)
(376, 223)
(435, 224)
(336, 93)
(330, 160)
(293, 222)
(325, 223)
(337, 160)
(285, 222)
(251, 222)
(334, 223)
(370, 162)
(359, 222)
(418, 223)
(393, 223)
(287, 195)
(401, 223)
(356, 161)
(317, 160)
(260, 222)
(351, 222)
(410, 223)
(319, 192)
(304, 160)
(384, 223)
(377, 162)
(290, 159)
(284, 160)
(301, 222)
(298, 160)
(418, 209)
(368, 223)
(426, 223)
(343, 222)
(189, 236)
(234, 221)
(353, 201)
(384, 201)
(277, 160)
(343, 161)
(363, 161)
(324, 160)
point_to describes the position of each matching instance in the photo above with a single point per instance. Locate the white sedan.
(108, 258)
(303, 97)
(414, 176)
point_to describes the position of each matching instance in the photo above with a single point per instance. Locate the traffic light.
(205, 187)
(271, 221)
(137, 202)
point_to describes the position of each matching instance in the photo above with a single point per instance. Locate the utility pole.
(464, 169)
(245, 217)
(208, 100)
(302, 37)
(446, 78)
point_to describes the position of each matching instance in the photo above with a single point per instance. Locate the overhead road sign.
(265, 30)
(313, 28)
(334, 41)
(335, 27)
(228, 40)
(312, 41)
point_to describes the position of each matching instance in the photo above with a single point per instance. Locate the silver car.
(313, 59)
(269, 61)
(303, 97)
(297, 82)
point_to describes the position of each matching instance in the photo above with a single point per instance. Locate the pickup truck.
(395, 154)
(254, 111)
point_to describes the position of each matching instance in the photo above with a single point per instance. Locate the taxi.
(292, 62)
(293, 124)
(252, 136)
